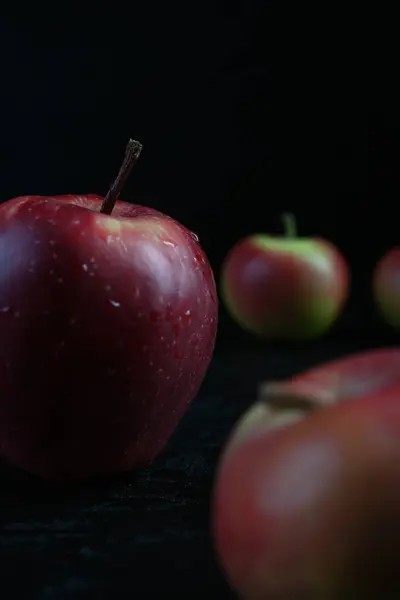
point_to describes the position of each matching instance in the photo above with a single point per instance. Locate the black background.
(243, 113)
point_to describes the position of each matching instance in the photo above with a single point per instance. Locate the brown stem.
(290, 225)
(279, 406)
(278, 397)
(132, 153)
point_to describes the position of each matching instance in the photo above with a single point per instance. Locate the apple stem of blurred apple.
(278, 396)
(289, 225)
(132, 153)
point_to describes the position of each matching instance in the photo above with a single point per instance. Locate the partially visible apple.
(108, 316)
(386, 287)
(306, 502)
(286, 287)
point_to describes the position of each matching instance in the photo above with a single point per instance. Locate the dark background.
(243, 113)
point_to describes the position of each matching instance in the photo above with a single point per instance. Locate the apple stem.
(289, 225)
(132, 153)
(278, 396)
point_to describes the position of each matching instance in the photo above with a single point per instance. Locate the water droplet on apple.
(85, 267)
(194, 236)
(5, 309)
(115, 303)
(188, 316)
(169, 243)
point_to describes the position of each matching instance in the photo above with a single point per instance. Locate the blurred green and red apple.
(284, 287)
(386, 287)
(306, 502)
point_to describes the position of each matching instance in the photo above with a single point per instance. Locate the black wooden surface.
(143, 535)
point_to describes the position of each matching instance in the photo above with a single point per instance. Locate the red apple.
(307, 494)
(386, 289)
(284, 287)
(342, 379)
(108, 316)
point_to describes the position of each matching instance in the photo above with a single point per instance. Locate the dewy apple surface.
(107, 335)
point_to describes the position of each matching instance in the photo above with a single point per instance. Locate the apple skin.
(284, 289)
(352, 376)
(306, 504)
(385, 287)
(108, 326)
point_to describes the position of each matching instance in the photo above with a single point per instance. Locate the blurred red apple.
(307, 494)
(386, 288)
(284, 287)
(108, 316)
